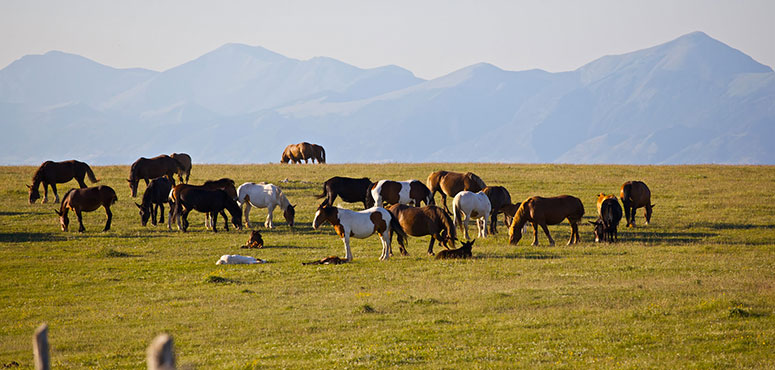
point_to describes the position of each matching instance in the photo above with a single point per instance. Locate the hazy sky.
(430, 38)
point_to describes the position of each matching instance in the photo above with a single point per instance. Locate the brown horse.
(318, 153)
(86, 200)
(461, 253)
(51, 173)
(296, 153)
(547, 211)
(185, 165)
(634, 195)
(255, 240)
(451, 183)
(226, 184)
(147, 169)
(421, 221)
(499, 200)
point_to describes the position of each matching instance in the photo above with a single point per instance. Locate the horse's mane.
(450, 226)
(66, 194)
(476, 179)
(38, 176)
(522, 213)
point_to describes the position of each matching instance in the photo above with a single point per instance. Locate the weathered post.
(161, 355)
(40, 348)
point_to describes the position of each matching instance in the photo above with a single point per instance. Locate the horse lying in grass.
(155, 196)
(360, 225)
(547, 211)
(212, 202)
(472, 205)
(608, 220)
(86, 200)
(399, 192)
(255, 241)
(263, 195)
(51, 173)
(330, 260)
(451, 183)
(634, 195)
(349, 189)
(421, 221)
(463, 252)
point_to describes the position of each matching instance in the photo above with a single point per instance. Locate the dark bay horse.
(185, 165)
(349, 189)
(421, 221)
(226, 184)
(547, 211)
(451, 183)
(51, 173)
(461, 253)
(155, 196)
(86, 200)
(499, 200)
(298, 152)
(208, 201)
(634, 195)
(607, 223)
(318, 153)
(147, 169)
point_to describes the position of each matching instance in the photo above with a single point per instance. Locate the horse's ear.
(653, 205)
(138, 206)
(57, 212)
(28, 186)
(129, 181)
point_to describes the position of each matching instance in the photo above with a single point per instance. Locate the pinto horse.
(185, 165)
(263, 195)
(399, 192)
(472, 205)
(155, 196)
(86, 200)
(634, 195)
(609, 215)
(360, 225)
(500, 200)
(349, 189)
(421, 221)
(212, 202)
(303, 151)
(451, 183)
(147, 169)
(547, 211)
(226, 184)
(51, 173)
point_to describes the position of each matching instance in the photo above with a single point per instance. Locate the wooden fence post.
(161, 355)
(40, 348)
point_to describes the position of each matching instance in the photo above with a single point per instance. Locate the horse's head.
(133, 186)
(515, 235)
(34, 194)
(648, 212)
(285, 158)
(145, 214)
(323, 214)
(64, 221)
(255, 241)
(599, 228)
(290, 213)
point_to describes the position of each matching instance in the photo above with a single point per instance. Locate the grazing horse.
(634, 195)
(602, 197)
(263, 195)
(360, 225)
(86, 200)
(185, 165)
(473, 205)
(318, 153)
(500, 199)
(155, 196)
(349, 189)
(421, 221)
(189, 198)
(51, 173)
(463, 252)
(147, 169)
(298, 152)
(608, 220)
(226, 184)
(547, 211)
(399, 192)
(451, 183)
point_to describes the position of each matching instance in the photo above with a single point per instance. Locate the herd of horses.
(390, 207)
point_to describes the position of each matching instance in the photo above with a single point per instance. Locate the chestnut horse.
(399, 192)
(547, 211)
(360, 225)
(500, 200)
(421, 221)
(147, 169)
(349, 189)
(51, 173)
(86, 200)
(185, 165)
(303, 151)
(634, 195)
(451, 183)
(609, 215)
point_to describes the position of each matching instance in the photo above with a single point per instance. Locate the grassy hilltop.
(695, 289)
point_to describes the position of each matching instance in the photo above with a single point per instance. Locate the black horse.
(349, 189)
(51, 173)
(607, 223)
(207, 201)
(155, 196)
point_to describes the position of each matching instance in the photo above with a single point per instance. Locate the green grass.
(695, 289)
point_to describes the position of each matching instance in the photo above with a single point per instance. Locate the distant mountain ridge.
(690, 100)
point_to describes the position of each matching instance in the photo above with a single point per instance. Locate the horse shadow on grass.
(22, 237)
(29, 213)
(523, 255)
(681, 238)
(731, 226)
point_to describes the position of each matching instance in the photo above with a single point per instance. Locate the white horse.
(263, 195)
(473, 205)
(360, 225)
(409, 192)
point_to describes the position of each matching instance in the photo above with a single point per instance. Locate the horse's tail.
(447, 221)
(325, 191)
(90, 173)
(433, 182)
(626, 193)
(478, 180)
(457, 212)
(322, 158)
(396, 228)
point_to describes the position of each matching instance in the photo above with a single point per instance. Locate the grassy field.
(695, 289)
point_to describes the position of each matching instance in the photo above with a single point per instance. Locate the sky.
(430, 37)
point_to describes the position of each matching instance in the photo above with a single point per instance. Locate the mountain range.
(690, 100)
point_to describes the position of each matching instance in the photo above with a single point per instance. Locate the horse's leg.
(535, 234)
(225, 220)
(154, 211)
(346, 239)
(45, 193)
(246, 214)
(493, 223)
(268, 223)
(444, 200)
(161, 215)
(80, 222)
(214, 217)
(110, 217)
(80, 181)
(465, 227)
(184, 219)
(483, 228)
(549, 236)
(627, 214)
(386, 250)
(574, 233)
(632, 215)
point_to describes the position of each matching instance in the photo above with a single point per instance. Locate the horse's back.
(636, 192)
